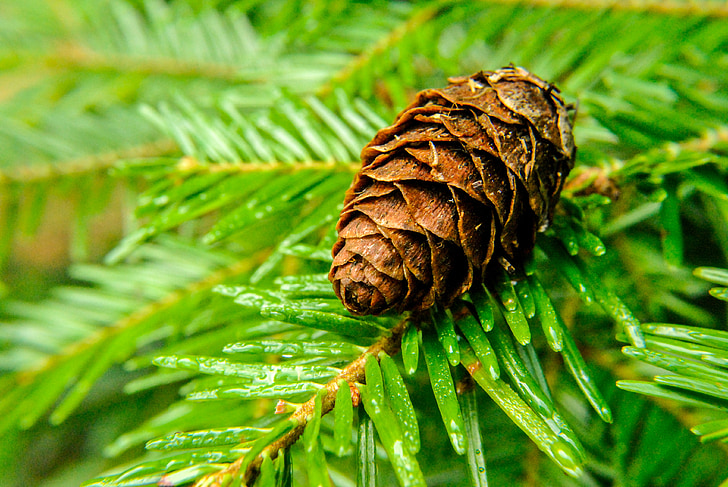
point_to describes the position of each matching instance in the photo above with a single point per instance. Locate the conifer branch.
(367, 56)
(75, 56)
(592, 180)
(601, 179)
(707, 141)
(352, 373)
(712, 9)
(95, 163)
(190, 164)
(686, 416)
(166, 302)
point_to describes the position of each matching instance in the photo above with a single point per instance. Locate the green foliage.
(696, 356)
(195, 155)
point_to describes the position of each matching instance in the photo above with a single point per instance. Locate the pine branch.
(353, 373)
(711, 140)
(104, 344)
(625, 371)
(135, 318)
(190, 165)
(79, 58)
(708, 8)
(83, 166)
(696, 358)
(374, 53)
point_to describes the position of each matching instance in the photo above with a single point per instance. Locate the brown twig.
(592, 180)
(354, 372)
(602, 179)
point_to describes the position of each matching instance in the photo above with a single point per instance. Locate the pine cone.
(465, 177)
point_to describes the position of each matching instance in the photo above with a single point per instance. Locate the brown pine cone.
(465, 177)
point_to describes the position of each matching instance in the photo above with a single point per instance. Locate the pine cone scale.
(496, 186)
(468, 131)
(358, 227)
(428, 133)
(452, 276)
(492, 147)
(430, 209)
(378, 251)
(462, 179)
(483, 99)
(523, 99)
(389, 211)
(474, 230)
(399, 169)
(414, 250)
(361, 190)
(455, 168)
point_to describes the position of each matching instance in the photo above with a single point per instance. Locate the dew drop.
(161, 200)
